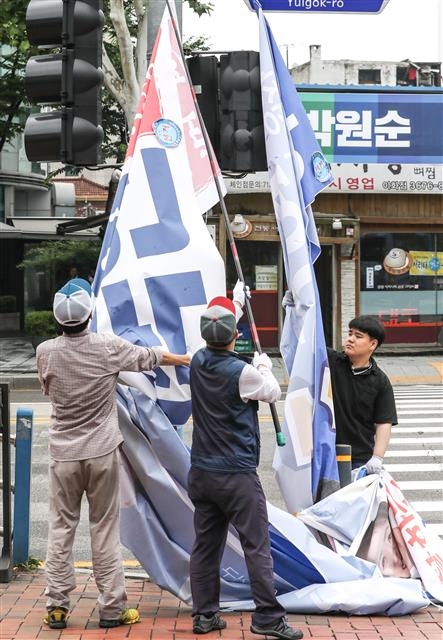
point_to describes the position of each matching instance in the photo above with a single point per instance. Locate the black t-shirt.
(360, 402)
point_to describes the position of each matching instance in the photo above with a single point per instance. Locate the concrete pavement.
(165, 617)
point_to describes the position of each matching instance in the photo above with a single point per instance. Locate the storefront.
(402, 284)
(260, 255)
(385, 205)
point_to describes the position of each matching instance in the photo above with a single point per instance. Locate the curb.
(21, 382)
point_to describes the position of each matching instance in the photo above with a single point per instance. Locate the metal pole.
(22, 493)
(344, 463)
(280, 438)
(6, 559)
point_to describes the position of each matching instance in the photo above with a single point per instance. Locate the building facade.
(380, 223)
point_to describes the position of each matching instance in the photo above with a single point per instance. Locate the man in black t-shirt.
(364, 405)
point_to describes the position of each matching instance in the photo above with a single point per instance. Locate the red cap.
(221, 301)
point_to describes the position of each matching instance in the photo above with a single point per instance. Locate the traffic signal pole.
(280, 438)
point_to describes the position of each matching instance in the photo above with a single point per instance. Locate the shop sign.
(359, 178)
(377, 127)
(426, 263)
(266, 277)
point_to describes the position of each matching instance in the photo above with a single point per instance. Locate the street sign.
(321, 6)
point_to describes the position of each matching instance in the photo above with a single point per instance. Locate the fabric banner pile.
(157, 270)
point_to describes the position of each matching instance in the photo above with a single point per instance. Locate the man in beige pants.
(78, 371)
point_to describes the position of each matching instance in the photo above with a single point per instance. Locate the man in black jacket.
(223, 482)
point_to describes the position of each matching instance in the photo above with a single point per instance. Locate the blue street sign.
(323, 6)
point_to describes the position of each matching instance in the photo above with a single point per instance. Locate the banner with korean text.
(297, 172)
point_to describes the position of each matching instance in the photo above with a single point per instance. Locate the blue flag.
(306, 467)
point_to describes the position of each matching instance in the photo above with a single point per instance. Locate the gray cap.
(218, 324)
(72, 303)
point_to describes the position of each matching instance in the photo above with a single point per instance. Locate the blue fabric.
(74, 285)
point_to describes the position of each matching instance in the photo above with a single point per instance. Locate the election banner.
(297, 172)
(158, 265)
(372, 520)
(157, 269)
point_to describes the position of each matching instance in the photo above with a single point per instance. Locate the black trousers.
(220, 499)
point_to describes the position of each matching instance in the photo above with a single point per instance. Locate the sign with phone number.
(359, 178)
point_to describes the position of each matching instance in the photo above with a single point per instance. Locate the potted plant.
(40, 326)
(9, 316)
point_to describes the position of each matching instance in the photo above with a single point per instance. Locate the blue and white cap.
(72, 303)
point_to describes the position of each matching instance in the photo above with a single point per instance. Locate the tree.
(124, 66)
(125, 48)
(14, 53)
(56, 257)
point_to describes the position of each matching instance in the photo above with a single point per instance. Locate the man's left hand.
(374, 465)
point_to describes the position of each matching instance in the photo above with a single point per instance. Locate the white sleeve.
(258, 384)
(238, 311)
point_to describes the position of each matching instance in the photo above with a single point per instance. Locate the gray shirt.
(79, 374)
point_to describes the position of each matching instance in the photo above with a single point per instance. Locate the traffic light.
(71, 79)
(204, 75)
(242, 143)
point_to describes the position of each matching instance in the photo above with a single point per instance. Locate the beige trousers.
(98, 478)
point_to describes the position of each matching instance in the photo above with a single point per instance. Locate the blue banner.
(297, 172)
(378, 127)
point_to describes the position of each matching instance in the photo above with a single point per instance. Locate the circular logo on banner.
(321, 167)
(167, 132)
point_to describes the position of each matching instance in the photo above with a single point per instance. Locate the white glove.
(288, 300)
(374, 465)
(261, 359)
(239, 293)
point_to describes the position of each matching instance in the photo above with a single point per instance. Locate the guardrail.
(15, 534)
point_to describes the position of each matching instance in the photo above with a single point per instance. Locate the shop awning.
(44, 228)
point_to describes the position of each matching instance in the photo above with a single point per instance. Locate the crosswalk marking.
(420, 485)
(428, 505)
(435, 528)
(419, 429)
(410, 468)
(422, 421)
(413, 411)
(427, 440)
(414, 453)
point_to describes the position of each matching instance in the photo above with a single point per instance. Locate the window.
(402, 284)
(369, 76)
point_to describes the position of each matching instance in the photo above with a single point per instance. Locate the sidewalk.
(403, 364)
(164, 617)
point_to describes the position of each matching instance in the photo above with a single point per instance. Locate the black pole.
(278, 432)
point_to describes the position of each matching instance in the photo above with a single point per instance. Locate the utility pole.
(155, 14)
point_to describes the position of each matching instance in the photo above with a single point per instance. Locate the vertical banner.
(158, 265)
(306, 467)
(157, 269)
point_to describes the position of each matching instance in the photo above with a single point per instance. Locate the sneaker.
(55, 618)
(127, 616)
(277, 629)
(202, 624)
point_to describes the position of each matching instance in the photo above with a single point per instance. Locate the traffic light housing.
(72, 79)
(204, 75)
(242, 143)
